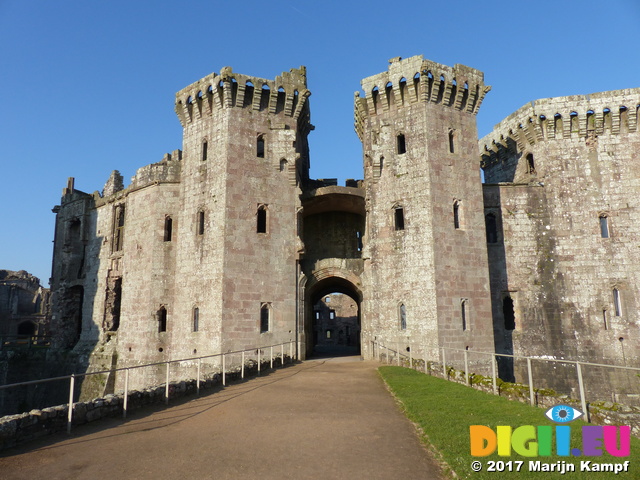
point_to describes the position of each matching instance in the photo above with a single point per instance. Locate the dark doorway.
(26, 329)
(333, 319)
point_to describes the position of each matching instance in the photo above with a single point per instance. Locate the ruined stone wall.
(75, 251)
(564, 189)
(336, 321)
(24, 305)
(147, 274)
(417, 124)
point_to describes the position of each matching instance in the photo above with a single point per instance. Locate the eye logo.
(563, 414)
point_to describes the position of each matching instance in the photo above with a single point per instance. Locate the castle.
(228, 244)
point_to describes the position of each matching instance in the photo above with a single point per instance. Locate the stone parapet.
(287, 92)
(417, 80)
(548, 119)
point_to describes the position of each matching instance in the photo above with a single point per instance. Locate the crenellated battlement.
(417, 80)
(287, 93)
(548, 119)
(166, 171)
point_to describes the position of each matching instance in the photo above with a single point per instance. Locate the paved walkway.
(321, 419)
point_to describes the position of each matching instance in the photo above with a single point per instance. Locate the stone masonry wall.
(417, 125)
(561, 170)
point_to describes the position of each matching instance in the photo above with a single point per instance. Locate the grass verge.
(445, 410)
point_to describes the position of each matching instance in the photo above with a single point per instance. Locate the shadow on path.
(329, 418)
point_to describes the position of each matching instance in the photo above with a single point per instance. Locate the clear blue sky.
(88, 86)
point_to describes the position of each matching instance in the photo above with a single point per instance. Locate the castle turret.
(425, 246)
(245, 155)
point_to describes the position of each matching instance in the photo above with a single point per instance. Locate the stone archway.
(320, 285)
(333, 226)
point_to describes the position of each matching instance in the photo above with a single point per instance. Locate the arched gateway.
(333, 226)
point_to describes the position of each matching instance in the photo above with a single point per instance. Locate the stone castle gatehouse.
(228, 244)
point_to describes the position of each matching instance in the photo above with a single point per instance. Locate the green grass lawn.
(445, 410)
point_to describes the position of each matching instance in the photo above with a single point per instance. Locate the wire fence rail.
(226, 360)
(394, 354)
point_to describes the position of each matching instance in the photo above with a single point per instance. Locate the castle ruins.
(228, 244)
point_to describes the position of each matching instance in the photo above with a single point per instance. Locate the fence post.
(198, 379)
(166, 388)
(72, 384)
(291, 350)
(424, 355)
(493, 373)
(271, 357)
(281, 354)
(466, 367)
(410, 358)
(379, 353)
(398, 353)
(583, 400)
(242, 369)
(125, 403)
(224, 370)
(444, 366)
(530, 373)
(258, 361)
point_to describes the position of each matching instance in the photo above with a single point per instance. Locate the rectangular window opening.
(617, 302)
(168, 229)
(118, 237)
(264, 318)
(162, 319)
(260, 147)
(196, 319)
(261, 226)
(492, 228)
(463, 312)
(399, 218)
(201, 222)
(604, 226)
(508, 313)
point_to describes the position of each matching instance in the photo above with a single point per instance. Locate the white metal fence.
(235, 361)
(575, 384)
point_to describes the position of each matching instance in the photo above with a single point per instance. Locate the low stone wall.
(24, 427)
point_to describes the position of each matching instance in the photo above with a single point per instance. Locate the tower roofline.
(228, 89)
(563, 117)
(418, 80)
